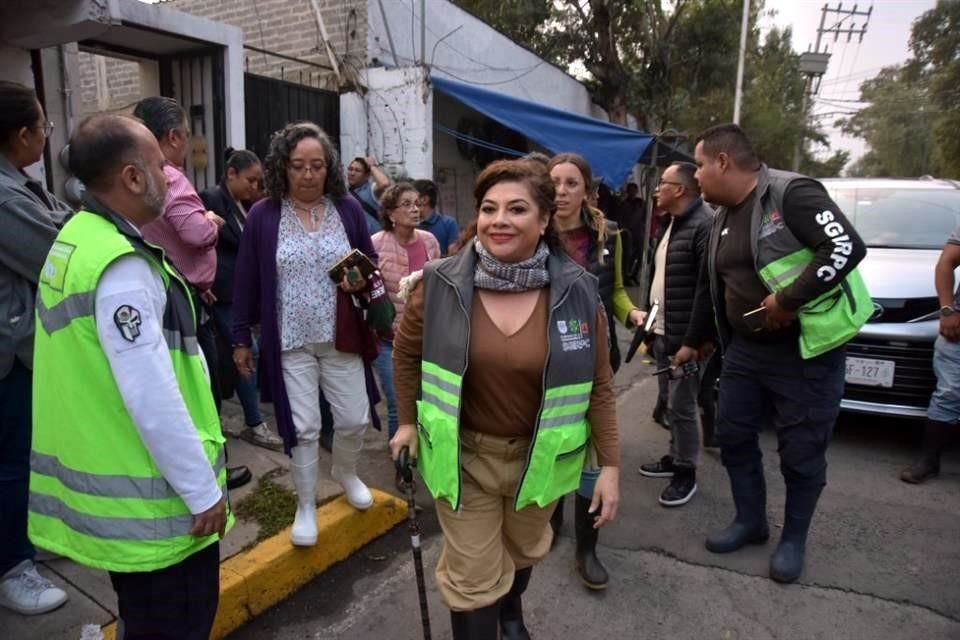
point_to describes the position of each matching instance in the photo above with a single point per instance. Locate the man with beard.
(128, 462)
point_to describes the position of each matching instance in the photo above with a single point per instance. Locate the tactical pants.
(770, 384)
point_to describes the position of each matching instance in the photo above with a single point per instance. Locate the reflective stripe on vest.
(96, 494)
(80, 305)
(558, 448)
(831, 319)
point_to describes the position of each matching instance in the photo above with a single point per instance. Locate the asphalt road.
(883, 560)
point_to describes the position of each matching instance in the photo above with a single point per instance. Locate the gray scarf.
(511, 276)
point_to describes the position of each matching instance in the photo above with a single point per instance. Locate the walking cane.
(405, 466)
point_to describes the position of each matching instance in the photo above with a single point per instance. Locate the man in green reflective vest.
(127, 464)
(786, 296)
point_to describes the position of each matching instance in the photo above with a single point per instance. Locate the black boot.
(750, 524)
(511, 608)
(556, 521)
(592, 572)
(928, 465)
(479, 624)
(786, 563)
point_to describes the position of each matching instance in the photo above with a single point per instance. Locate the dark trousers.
(764, 384)
(15, 436)
(175, 603)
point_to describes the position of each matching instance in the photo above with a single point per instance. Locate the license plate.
(870, 372)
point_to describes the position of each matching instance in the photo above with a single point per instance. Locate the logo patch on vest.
(54, 270)
(574, 334)
(770, 223)
(128, 321)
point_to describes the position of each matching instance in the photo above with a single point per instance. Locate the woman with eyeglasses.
(594, 243)
(311, 333)
(30, 216)
(402, 249)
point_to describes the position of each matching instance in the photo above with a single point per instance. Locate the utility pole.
(738, 93)
(813, 64)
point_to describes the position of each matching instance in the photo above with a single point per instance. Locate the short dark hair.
(101, 145)
(362, 162)
(239, 159)
(686, 172)
(18, 109)
(278, 157)
(160, 114)
(731, 140)
(391, 199)
(427, 188)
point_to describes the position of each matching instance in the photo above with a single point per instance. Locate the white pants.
(341, 377)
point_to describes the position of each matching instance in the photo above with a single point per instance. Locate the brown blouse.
(502, 386)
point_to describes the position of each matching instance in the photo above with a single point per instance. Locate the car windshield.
(900, 218)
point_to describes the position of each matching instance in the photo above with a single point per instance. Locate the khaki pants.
(488, 540)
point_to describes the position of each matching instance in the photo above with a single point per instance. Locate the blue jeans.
(945, 401)
(246, 387)
(384, 367)
(15, 436)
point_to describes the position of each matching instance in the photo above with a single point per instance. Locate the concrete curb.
(255, 580)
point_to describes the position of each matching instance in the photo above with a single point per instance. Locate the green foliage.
(670, 64)
(897, 124)
(912, 120)
(271, 505)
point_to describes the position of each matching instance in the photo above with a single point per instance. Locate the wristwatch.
(946, 311)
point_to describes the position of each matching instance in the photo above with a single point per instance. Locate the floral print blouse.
(307, 297)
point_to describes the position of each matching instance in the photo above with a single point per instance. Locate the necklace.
(314, 214)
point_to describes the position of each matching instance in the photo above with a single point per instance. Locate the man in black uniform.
(785, 296)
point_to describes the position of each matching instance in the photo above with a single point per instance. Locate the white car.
(904, 224)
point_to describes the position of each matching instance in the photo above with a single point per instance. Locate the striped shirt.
(184, 233)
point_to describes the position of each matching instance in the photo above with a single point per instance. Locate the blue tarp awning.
(610, 149)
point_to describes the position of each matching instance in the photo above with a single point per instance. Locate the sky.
(885, 43)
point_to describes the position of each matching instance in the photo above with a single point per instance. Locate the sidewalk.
(272, 562)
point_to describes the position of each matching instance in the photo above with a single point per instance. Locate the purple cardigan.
(255, 303)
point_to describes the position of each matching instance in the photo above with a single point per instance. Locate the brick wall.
(289, 27)
(107, 84)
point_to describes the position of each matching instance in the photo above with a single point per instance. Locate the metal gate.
(196, 81)
(269, 104)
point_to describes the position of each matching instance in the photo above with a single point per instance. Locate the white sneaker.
(26, 591)
(261, 436)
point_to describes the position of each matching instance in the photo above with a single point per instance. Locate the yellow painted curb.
(255, 580)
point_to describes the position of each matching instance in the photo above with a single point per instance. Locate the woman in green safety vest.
(503, 377)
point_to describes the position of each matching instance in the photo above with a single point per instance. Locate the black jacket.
(604, 273)
(218, 200)
(686, 259)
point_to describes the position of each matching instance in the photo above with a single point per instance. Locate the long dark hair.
(18, 109)
(278, 157)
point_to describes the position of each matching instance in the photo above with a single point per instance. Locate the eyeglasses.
(301, 169)
(47, 128)
(408, 204)
(663, 182)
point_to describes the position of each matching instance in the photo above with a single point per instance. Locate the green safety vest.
(96, 495)
(558, 449)
(833, 318)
